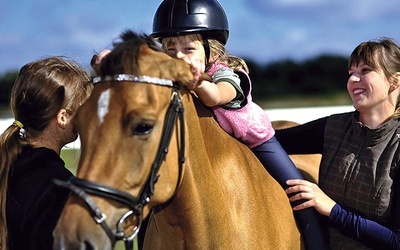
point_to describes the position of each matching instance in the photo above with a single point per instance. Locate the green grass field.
(71, 158)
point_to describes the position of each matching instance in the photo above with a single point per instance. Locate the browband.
(133, 78)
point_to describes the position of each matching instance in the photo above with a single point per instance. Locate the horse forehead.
(131, 96)
(103, 103)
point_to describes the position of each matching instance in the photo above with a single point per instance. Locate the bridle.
(83, 188)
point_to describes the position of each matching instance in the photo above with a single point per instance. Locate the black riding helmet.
(181, 17)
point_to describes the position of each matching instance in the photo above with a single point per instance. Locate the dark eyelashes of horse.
(142, 129)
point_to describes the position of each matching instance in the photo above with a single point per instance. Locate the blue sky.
(263, 30)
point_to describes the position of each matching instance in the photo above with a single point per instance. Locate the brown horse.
(206, 189)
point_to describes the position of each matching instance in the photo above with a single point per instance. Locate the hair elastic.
(22, 131)
(18, 124)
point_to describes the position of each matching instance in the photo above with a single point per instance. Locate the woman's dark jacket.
(34, 203)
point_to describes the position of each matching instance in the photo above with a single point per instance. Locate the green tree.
(6, 83)
(322, 75)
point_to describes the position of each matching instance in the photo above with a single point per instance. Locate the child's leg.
(280, 166)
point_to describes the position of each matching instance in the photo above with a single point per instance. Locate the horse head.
(126, 128)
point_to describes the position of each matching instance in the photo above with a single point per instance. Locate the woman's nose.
(354, 78)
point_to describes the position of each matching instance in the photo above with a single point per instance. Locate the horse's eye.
(142, 129)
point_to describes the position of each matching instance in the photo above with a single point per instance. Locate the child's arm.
(212, 94)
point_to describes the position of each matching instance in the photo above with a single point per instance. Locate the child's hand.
(198, 67)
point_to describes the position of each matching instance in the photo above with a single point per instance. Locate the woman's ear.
(397, 79)
(62, 118)
(395, 82)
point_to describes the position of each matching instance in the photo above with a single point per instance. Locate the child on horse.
(197, 31)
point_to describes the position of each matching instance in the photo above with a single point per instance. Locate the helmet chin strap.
(206, 50)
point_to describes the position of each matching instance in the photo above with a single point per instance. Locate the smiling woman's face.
(368, 88)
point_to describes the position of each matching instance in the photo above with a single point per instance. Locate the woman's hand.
(305, 190)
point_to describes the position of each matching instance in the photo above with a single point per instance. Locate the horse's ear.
(95, 66)
(98, 59)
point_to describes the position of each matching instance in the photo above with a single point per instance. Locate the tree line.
(325, 74)
(322, 75)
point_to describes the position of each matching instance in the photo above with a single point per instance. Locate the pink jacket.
(250, 124)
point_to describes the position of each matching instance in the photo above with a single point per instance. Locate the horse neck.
(200, 194)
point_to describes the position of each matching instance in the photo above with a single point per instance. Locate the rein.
(82, 188)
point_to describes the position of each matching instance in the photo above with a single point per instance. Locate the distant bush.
(6, 83)
(325, 74)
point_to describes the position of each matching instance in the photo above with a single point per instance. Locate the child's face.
(188, 48)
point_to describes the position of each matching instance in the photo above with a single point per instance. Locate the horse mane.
(129, 35)
(124, 57)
